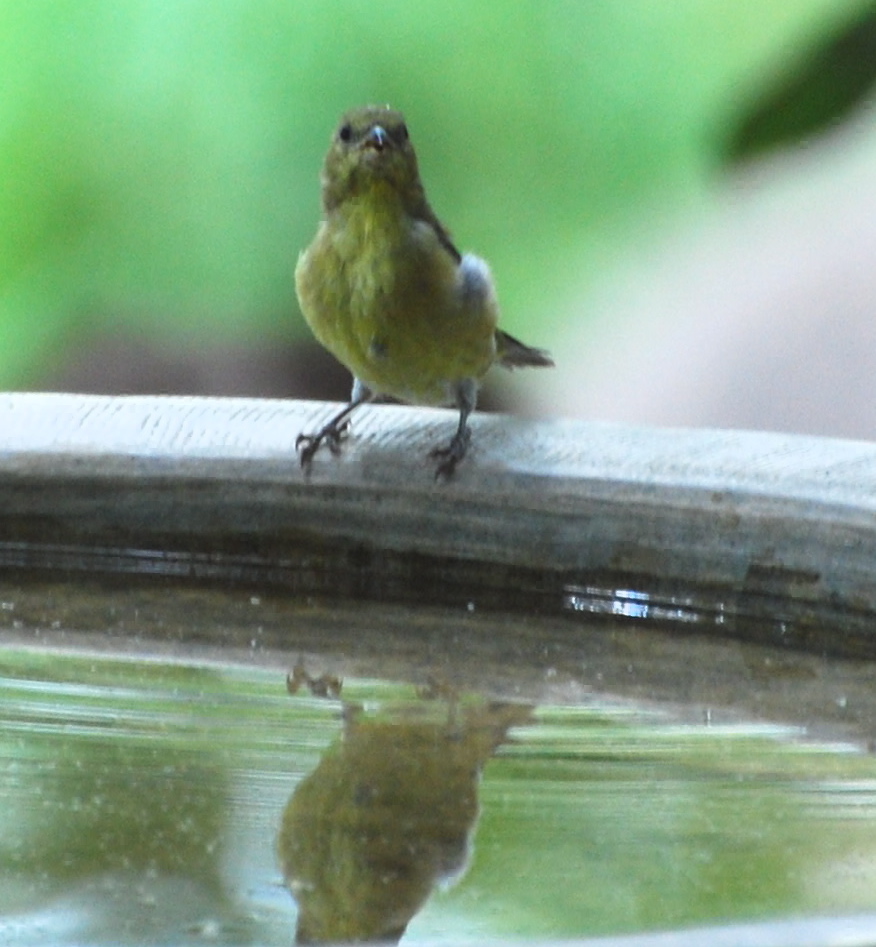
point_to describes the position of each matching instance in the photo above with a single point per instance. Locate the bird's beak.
(376, 138)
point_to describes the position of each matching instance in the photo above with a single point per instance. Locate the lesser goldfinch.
(385, 290)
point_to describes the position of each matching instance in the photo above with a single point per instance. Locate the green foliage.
(159, 158)
(829, 84)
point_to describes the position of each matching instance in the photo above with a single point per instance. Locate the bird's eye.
(403, 132)
(346, 132)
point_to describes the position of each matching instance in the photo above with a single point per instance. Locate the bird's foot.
(448, 457)
(331, 435)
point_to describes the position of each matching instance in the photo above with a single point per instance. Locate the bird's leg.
(450, 456)
(308, 444)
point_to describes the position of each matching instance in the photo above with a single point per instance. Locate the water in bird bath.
(189, 765)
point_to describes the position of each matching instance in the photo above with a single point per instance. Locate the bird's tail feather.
(514, 354)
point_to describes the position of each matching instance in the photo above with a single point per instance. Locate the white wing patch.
(475, 282)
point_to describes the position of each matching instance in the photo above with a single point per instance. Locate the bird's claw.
(308, 444)
(448, 457)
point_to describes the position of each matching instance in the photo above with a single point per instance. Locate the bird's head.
(370, 151)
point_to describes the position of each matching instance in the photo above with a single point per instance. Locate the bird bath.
(607, 683)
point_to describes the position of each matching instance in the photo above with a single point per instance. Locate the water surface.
(450, 775)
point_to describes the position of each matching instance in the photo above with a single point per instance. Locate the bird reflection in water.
(388, 813)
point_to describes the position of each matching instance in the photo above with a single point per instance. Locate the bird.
(384, 289)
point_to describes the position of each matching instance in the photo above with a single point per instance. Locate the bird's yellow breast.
(386, 297)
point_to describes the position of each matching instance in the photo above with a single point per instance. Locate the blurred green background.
(159, 159)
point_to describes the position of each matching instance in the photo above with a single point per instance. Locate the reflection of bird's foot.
(308, 444)
(326, 685)
(437, 688)
(448, 457)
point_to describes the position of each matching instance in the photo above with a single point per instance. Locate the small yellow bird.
(384, 289)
